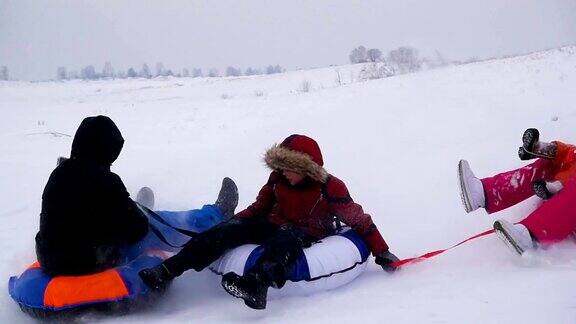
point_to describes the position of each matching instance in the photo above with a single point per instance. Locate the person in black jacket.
(88, 220)
(87, 214)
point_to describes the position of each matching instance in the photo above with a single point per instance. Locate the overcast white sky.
(38, 36)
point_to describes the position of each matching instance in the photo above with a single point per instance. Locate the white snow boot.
(471, 188)
(516, 236)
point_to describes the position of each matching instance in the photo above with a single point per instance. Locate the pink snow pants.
(552, 221)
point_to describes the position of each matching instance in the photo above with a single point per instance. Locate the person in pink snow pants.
(551, 177)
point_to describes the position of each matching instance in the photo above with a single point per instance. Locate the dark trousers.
(282, 245)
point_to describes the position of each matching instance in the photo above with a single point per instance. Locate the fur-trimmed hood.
(297, 153)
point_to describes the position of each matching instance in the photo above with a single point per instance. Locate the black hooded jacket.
(87, 214)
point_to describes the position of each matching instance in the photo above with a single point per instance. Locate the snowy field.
(395, 142)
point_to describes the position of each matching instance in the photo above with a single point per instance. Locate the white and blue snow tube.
(334, 261)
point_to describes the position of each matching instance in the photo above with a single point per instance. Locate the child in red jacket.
(295, 208)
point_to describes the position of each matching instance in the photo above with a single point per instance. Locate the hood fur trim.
(281, 158)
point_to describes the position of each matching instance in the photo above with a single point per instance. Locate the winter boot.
(157, 277)
(227, 198)
(516, 236)
(546, 190)
(532, 147)
(145, 197)
(250, 288)
(471, 188)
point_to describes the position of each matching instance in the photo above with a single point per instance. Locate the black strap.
(330, 199)
(161, 237)
(158, 233)
(324, 195)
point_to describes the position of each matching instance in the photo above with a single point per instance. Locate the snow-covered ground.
(395, 142)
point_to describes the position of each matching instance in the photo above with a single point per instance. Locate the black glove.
(385, 260)
(157, 277)
(540, 189)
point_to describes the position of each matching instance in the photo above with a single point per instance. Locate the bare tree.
(232, 71)
(373, 55)
(358, 55)
(197, 73)
(4, 74)
(159, 69)
(213, 73)
(131, 73)
(61, 73)
(145, 71)
(271, 69)
(404, 60)
(108, 71)
(185, 73)
(88, 73)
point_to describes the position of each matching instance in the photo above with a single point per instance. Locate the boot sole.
(531, 136)
(233, 290)
(463, 189)
(504, 236)
(528, 139)
(228, 192)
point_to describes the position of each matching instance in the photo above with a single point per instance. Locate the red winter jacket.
(312, 204)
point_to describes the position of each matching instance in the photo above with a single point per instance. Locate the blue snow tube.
(330, 263)
(119, 289)
(43, 296)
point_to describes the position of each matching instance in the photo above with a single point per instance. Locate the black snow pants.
(282, 245)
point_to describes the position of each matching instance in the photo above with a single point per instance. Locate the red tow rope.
(432, 254)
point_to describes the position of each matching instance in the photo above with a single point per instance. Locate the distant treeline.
(401, 60)
(108, 72)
